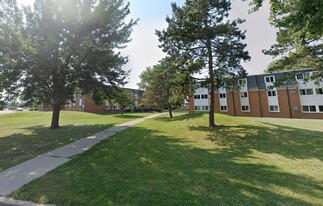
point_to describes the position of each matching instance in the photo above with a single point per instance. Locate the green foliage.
(123, 98)
(299, 39)
(168, 83)
(61, 46)
(200, 31)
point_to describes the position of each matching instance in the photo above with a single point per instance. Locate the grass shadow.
(156, 169)
(270, 138)
(181, 117)
(36, 140)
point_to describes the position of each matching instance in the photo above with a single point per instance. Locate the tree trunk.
(234, 103)
(170, 111)
(121, 112)
(212, 86)
(55, 116)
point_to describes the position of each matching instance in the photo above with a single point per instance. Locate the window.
(312, 108)
(242, 82)
(223, 108)
(309, 108)
(309, 91)
(299, 76)
(319, 91)
(245, 108)
(306, 75)
(204, 96)
(273, 108)
(197, 97)
(269, 79)
(305, 108)
(306, 92)
(197, 108)
(80, 102)
(244, 94)
(295, 107)
(321, 108)
(271, 93)
(222, 95)
(205, 108)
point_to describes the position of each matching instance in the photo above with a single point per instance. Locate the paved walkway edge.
(10, 201)
(14, 178)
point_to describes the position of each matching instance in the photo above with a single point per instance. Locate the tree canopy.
(57, 46)
(200, 30)
(300, 36)
(123, 98)
(168, 83)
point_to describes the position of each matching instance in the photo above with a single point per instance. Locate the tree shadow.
(182, 117)
(154, 168)
(271, 138)
(36, 140)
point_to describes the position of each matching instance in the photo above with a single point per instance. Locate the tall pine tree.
(200, 30)
(299, 37)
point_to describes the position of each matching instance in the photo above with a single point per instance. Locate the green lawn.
(24, 135)
(245, 161)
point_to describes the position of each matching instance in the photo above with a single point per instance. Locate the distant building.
(257, 97)
(84, 103)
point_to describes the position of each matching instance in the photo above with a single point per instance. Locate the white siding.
(223, 101)
(201, 103)
(244, 101)
(314, 99)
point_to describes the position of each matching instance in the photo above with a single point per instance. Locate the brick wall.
(259, 105)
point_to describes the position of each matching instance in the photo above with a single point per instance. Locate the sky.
(143, 50)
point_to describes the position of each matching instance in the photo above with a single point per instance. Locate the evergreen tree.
(63, 45)
(299, 39)
(201, 31)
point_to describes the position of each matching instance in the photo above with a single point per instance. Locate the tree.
(200, 30)
(123, 98)
(299, 39)
(168, 83)
(63, 45)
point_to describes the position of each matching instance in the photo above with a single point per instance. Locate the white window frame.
(203, 109)
(309, 110)
(242, 94)
(223, 95)
(271, 92)
(270, 77)
(204, 96)
(221, 110)
(242, 82)
(317, 91)
(274, 106)
(306, 92)
(245, 110)
(299, 75)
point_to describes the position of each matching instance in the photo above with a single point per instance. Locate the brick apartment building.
(300, 98)
(84, 103)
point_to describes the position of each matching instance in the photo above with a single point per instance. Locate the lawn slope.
(24, 135)
(245, 161)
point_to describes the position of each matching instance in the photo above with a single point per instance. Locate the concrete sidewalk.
(19, 175)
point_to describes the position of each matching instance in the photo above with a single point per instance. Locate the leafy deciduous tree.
(63, 45)
(168, 83)
(123, 98)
